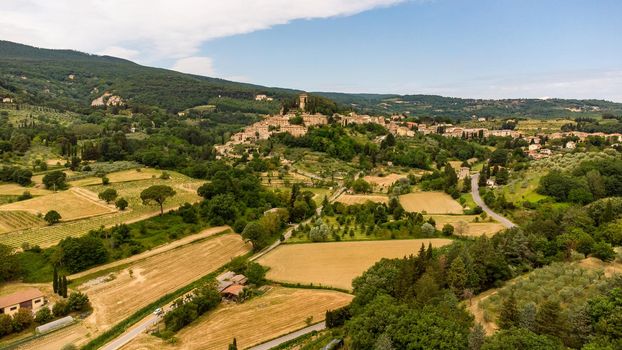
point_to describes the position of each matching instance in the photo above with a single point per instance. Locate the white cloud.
(151, 30)
(195, 65)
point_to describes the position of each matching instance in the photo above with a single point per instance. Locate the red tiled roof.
(234, 289)
(20, 297)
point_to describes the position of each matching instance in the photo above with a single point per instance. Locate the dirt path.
(478, 312)
(158, 250)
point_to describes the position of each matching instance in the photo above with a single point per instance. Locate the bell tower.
(302, 101)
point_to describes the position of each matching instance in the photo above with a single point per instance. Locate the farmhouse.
(28, 298)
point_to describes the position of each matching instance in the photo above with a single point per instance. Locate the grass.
(522, 187)
(320, 193)
(468, 201)
(35, 267)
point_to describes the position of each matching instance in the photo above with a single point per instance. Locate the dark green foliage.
(233, 345)
(61, 309)
(121, 203)
(15, 174)
(509, 316)
(108, 195)
(55, 180)
(44, 315)
(52, 217)
(204, 299)
(22, 319)
(78, 254)
(520, 338)
(78, 301)
(338, 317)
(157, 194)
(9, 264)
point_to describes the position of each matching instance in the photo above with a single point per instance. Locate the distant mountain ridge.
(70, 80)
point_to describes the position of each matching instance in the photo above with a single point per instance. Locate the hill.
(451, 107)
(66, 79)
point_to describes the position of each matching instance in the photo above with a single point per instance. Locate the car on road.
(158, 312)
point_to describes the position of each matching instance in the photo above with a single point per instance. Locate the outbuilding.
(31, 298)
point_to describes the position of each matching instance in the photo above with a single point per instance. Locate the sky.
(461, 48)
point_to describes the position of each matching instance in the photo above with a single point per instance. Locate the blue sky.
(465, 48)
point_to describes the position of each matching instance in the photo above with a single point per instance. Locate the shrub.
(44, 315)
(78, 301)
(22, 319)
(121, 203)
(60, 309)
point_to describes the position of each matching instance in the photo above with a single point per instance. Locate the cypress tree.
(234, 345)
(549, 320)
(55, 280)
(64, 286)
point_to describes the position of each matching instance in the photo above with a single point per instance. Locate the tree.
(158, 194)
(78, 301)
(78, 254)
(548, 319)
(55, 280)
(234, 344)
(121, 203)
(52, 217)
(456, 276)
(9, 263)
(64, 291)
(319, 232)
(60, 309)
(448, 230)
(603, 251)
(427, 229)
(466, 184)
(108, 195)
(508, 316)
(257, 235)
(520, 338)
(527, 317)
(361, 186)
(477, 337)
(55, 180)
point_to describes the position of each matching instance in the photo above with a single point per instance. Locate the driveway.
(478, 200)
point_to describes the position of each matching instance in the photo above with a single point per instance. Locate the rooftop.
(20, 297)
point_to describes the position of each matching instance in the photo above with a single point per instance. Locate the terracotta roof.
(20, 297)
(234, 289)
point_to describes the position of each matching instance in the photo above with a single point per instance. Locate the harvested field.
(120, 176)
(382, 184)
(147, 280)
(71, 205)
(349, 199)
(431, 203)
(17, 220)
(16, 190)
(465, 225)
(280, 311)
(335, 264)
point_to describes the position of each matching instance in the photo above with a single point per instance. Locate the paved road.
(132, 333)
(478, 200)
(278, 341)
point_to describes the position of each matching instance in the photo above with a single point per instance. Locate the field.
(350, 199)
(319, 193)
(533, 126)
(279, 311)
(147, 280)
(16, 190)
(382, 183)
(431, 203)
(570, 284)
(17, 220)
(117, 295)
(523, 188)
(72, 204)
(121, 176)
(130, 190)
(335, 264)
(465, 225)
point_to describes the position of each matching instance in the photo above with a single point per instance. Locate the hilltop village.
(298, 122)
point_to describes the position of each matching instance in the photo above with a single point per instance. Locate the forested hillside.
(450, 107)
(66, 79)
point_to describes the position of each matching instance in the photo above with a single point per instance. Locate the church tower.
(302, 101)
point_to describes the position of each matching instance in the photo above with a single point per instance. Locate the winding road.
(478, 200)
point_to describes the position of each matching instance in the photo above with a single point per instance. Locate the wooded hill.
(42, 77)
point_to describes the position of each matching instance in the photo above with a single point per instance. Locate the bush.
(22, 319)
(78, 301)
(24, 196)
(44, 315)
(6, 324)
(603, 251)
(60, 309)
(55, 180)
(448, 230)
